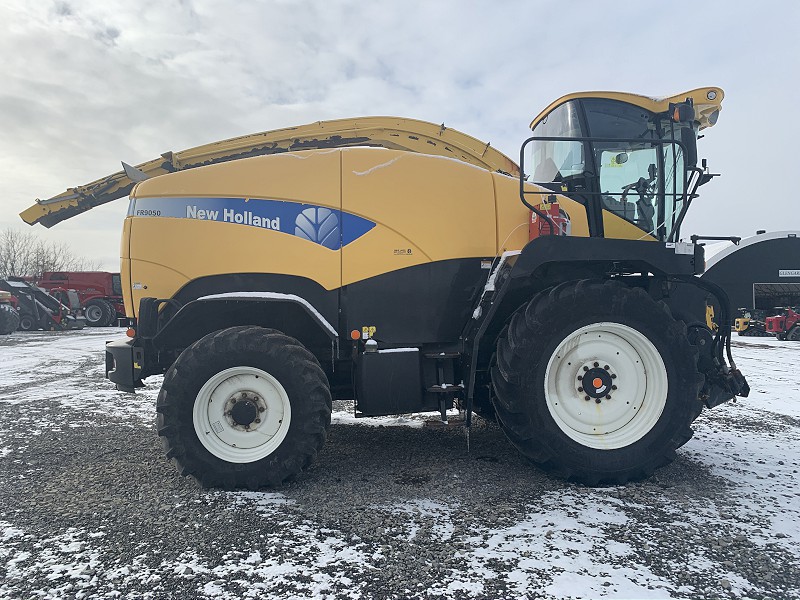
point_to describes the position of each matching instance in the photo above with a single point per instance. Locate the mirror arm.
(697, 176)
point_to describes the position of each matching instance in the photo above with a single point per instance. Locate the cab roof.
(707, 103)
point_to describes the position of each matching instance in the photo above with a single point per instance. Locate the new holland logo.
(319, 225)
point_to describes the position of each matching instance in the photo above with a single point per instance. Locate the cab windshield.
(633, 163)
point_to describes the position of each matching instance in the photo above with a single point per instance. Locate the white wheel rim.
(638, 385)
(94, 313)
(257, 393)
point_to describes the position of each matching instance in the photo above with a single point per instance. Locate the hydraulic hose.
(722, 339)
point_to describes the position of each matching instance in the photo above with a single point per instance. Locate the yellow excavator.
(415, 268)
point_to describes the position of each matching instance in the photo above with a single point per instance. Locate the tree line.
(23, 254)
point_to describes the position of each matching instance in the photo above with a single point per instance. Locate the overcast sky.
(86, 84)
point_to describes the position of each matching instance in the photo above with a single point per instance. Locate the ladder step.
(445, 389)
(442, 355)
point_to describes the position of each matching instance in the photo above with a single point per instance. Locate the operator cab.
(629, 155)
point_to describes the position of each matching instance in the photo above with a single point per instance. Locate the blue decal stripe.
(322, 225)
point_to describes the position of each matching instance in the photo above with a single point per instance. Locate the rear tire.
(244, 407)
(9, 319)
(615, 346)
(793, 334)
(98, 313)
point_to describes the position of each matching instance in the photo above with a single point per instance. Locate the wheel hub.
(244, 409)
(596, 382)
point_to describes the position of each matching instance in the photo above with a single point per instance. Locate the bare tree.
(23, 254)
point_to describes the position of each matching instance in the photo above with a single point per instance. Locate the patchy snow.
(755, 442)
(376, 167)
(571, 543)
(343, 414)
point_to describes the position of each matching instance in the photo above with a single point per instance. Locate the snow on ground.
(574, 542)
(755, 442)
(61, 367)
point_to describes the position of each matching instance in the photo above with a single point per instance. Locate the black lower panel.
(324, 301)
(428, 303)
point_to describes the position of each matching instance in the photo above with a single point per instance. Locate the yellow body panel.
(196, 248)
(125, 267)
(513, 216)
(310, 176)
(435, 207)
(618, 228)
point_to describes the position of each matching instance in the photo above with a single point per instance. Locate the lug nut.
(585, 368)
(613, 387)
(262, 409)
(598, 400)
(586, 398)
(613, 376)
(608, 396)
(580, 377)
(606, 367)
(597, 364)
(580, 389)
(259, 420)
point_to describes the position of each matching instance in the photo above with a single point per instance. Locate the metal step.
(445, 389)
(442, 355)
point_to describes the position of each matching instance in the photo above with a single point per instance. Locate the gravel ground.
(90, 508)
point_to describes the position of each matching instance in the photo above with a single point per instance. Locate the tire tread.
(527, 334)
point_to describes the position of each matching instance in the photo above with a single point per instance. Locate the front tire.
(596, 382)
(244, 407)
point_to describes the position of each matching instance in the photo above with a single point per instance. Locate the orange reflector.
(131, 332)
(597, 382)
(355, 334)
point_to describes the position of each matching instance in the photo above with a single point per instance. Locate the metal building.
(761, 272)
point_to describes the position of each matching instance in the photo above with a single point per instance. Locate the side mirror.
(681, 113)
(689, 141)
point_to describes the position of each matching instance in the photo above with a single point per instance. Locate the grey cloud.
(86, 85)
